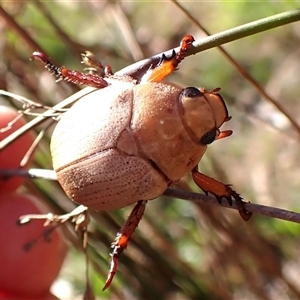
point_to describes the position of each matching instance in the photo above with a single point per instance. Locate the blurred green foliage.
(180, 250)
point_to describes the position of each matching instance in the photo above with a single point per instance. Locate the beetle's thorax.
(160, 133)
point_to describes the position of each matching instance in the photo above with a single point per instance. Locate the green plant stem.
(243, 71)
(221, 38)
(246, 30)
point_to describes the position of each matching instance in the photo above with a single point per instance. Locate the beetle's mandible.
(137, 138)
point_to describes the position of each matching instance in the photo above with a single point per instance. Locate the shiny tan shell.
(122, 144)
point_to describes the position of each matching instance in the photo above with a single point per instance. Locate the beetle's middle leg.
(220, 190)
(123, 238)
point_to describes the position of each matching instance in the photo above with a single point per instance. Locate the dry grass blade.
(19, 29)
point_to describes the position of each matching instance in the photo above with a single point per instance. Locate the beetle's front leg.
(220, 190)
(123, 238)
(167, 65)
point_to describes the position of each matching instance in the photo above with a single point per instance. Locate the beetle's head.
(203, 113)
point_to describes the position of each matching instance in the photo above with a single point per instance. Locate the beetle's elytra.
(133, 142)
(131, 139)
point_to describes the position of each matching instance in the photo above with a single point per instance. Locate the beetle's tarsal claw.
(122, 238)
(113, 265)
(244, 213)
(54, 70)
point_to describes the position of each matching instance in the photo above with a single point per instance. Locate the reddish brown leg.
(167, 65)
(220, 190)
(123, 238)
(75, 77)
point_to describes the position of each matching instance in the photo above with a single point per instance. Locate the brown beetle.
(137, 138)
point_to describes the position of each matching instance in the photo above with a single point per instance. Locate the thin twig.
(31, 173)
(221, 38)
(267, 211)
(61, 34)
(20, 30)
(126, 30)
(264, 210)
(44, 116)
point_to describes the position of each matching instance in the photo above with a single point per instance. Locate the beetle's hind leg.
(75, 77)
(123, 238)
(168, 64)
(220, 190)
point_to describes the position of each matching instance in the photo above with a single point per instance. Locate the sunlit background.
(180, 250)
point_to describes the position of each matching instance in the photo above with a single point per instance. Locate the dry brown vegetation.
(181, 250)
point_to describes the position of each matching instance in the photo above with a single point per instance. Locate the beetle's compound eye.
(191, 92)
(209, 137)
